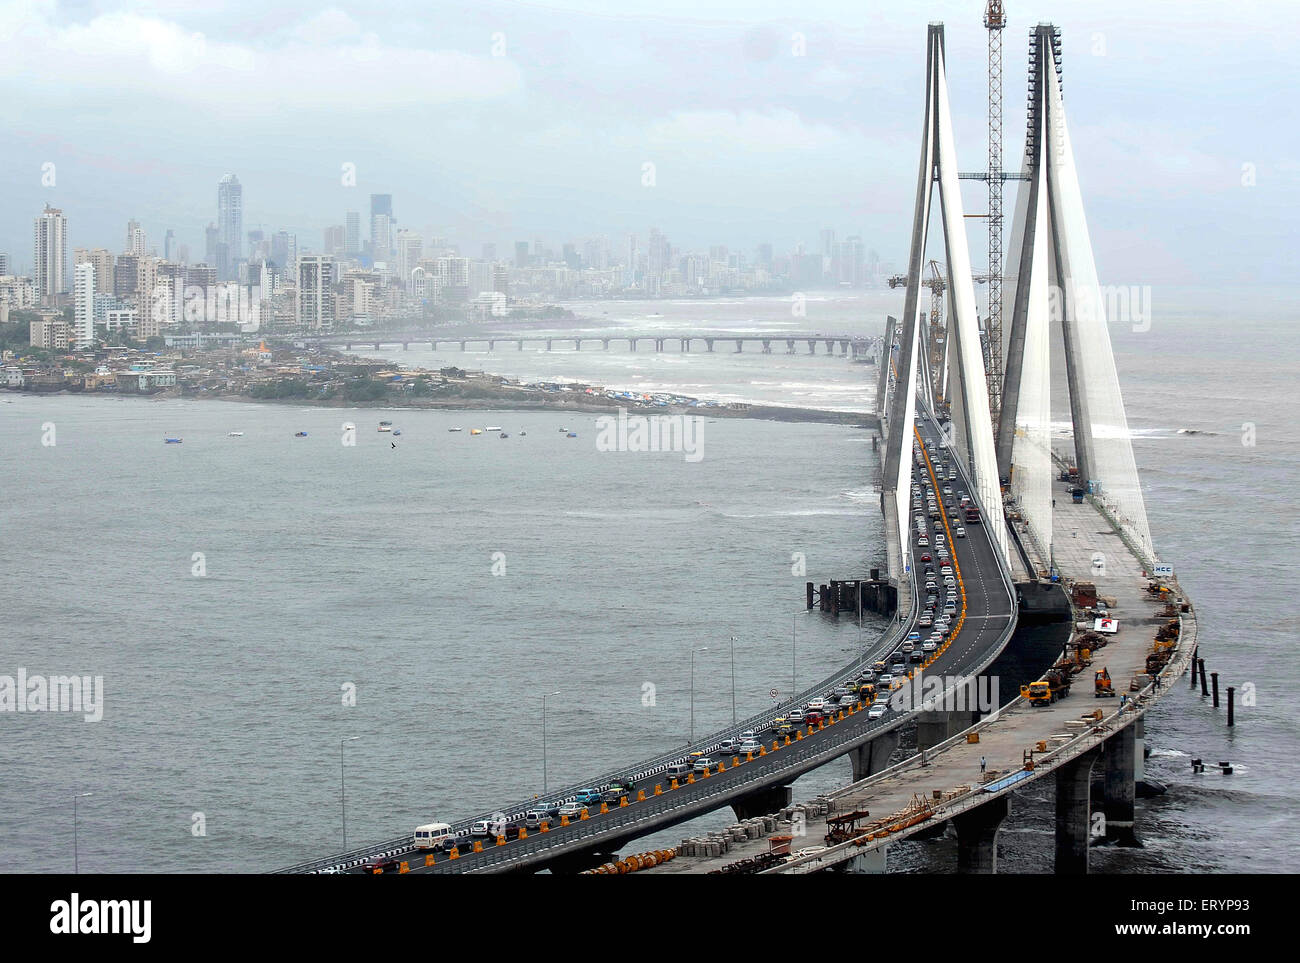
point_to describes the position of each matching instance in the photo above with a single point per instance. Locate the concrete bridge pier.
(659, 344)
(812, 346)
(631, 344)
(871, 863)
(709, 342)
(405, 345)
(521, 344)
(347, 347)
(977, 836)
(763, 803)
(462, 346)
(740, 345)
(1120, 782)
(548, 344)
(605, 342)
(935, 726)
(376, 345)
(789, 345)
(577, 344)
(830, 347)
(1073, 813)
(871, 757)
(492, 345)
(767, 346)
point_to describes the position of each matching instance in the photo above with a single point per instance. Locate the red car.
(926, 558)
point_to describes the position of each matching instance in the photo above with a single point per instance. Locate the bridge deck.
(1081, 531)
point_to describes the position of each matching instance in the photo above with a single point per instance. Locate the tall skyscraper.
(336, 240)
(50, 236)
(353, 226)
(169, 246)
(381, 226)
(315, 304)
(83, 303)
(230, 218)
(284, 251)
(409, 250)
(4, 265)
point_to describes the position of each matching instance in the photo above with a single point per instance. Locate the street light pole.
(704, 648)
(794, 687)
(545, 696)
(76, 867)
(733, 680)
(343, 789)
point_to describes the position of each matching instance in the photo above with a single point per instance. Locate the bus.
(972, 514)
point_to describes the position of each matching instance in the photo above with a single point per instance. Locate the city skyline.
(514, 121)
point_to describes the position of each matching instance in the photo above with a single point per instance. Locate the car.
(930, 647)
(574, 810)
(932, 603)
(795, 716)
(886, 680)
(867, 676)
(947, 489)
(942, 628)
(926, 557)
(752, 746)
(613, 795)
(953, 515)
(816, 705)
(925, 621)
(909, 645)
(702, 763)
(959, 532)
(917, 656)
(877, 711)
(914, 636)
(923, 542)
(481, 828)
(813, 717)
(586, 796)
(381, 865)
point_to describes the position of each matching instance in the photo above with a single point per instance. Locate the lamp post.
(794, 687)
(76, 867)
(343, 791)
(733, 680)
(703, 648)
(545, 696)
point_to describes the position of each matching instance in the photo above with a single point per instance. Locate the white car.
(960, 532)
(877, 710)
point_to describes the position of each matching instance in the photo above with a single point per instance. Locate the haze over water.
(372, 565)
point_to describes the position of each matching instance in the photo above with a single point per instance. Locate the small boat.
(235, 434)
(563, 430)
(493, 428)
(476, 431)
(455, 429)
(349, 426)
(300, 434)
(172, 441)
(504, 435)
(523, 434)
(573, 434)
(397, 431)
(385, 426)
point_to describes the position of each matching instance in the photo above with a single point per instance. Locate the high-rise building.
(521, 254)
(135, 239)
(284, 251)
(409, 250)
(126, 275)
(4, 265)
(381, 226)
(336, 240)
(211, 235)
(230, 219)
(353, 240)
(169, 246)
(83, 302)
(315, 304)
(102, 260)
(50, 236)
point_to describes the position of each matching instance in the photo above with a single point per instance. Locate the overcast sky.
(497, 121)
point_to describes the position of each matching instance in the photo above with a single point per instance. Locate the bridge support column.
(577, 344)
(1120, 786)
(873, 756)
(631, 344)
(405, 345)
(767, 346)
(548, 344)
(789, 345)
(977, 836)
(462, 346)
(740, 346)
(605, 342)
(762, 803)
(709, 342)
(521, 345)
(686, 345)
(812, 347)
(934, 726)
(1073, 816)
(871, 863)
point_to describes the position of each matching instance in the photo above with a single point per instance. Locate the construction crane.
(994, 21)
(937, 282)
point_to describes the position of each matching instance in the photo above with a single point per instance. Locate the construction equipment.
(1102, 688)
(1055, 684)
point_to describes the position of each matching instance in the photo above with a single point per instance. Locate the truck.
(1102, 687)
(1055, 684)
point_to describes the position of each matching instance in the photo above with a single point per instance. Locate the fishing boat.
(563, 430)
(235, 434)
(385, 426)
(504, 435)
(523, 434)
(349, 426)
(573, 434)
(476, 431)
(300, 434)
(397, 431)
(455, 429)
(493, 428)
(172, 441)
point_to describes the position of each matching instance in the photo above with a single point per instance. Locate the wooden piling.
(1204, 690)
(1214, 678)
(809, 588)
(1231, 699)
